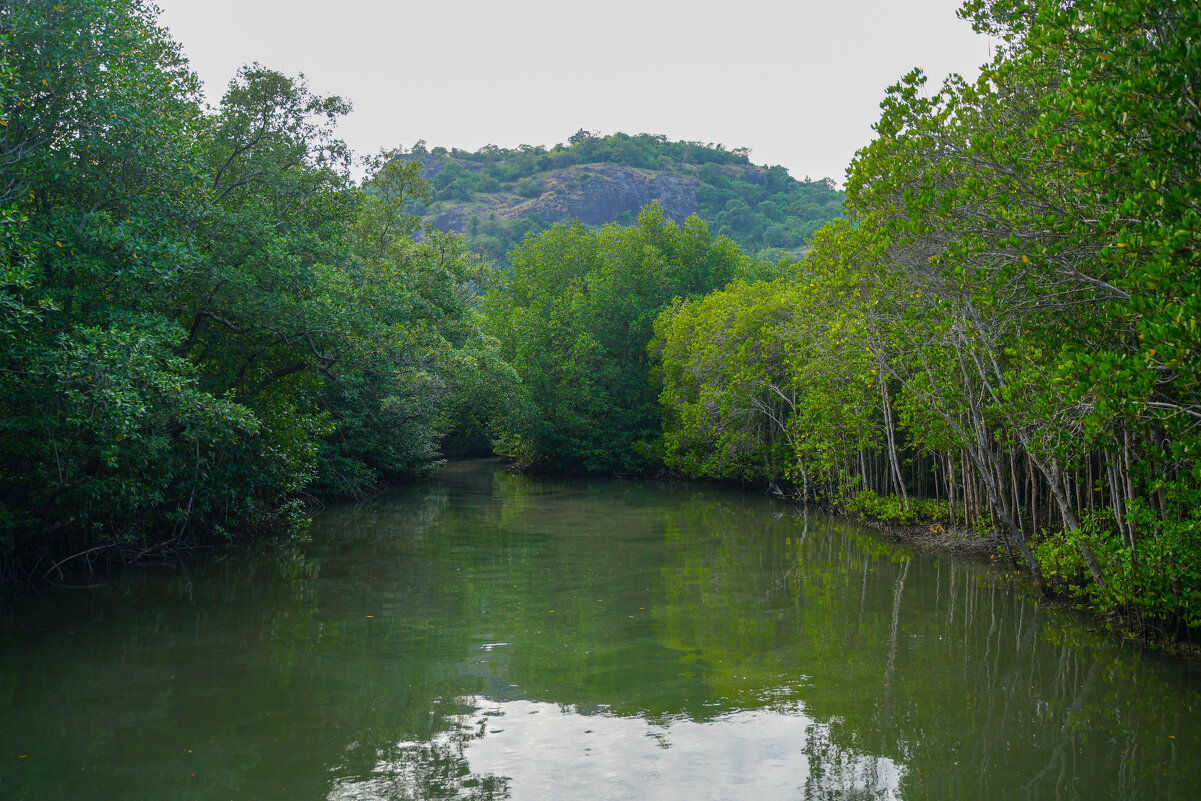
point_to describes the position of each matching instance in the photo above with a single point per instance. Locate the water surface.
(487, 636)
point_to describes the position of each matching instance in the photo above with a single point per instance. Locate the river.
(489, 636)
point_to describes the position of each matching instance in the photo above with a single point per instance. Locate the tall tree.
(575, 318)
(106, 432)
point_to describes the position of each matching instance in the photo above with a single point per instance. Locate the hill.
(495, 196)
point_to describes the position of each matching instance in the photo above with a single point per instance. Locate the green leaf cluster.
(574, 319)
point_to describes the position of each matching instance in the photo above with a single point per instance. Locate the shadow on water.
(487, 636)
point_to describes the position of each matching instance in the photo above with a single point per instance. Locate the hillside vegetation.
(495, 196)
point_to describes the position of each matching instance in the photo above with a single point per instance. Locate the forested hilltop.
(495, 196)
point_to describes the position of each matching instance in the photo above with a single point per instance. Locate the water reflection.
(675, 640)
(537, 750)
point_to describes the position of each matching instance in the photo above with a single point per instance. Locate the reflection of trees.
(933, 664)
(252, 670)
(671, 604)
(839, 774)
(424, 771)
(936, 664)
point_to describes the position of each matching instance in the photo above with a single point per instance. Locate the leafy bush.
(867, 504)
(1158, 580)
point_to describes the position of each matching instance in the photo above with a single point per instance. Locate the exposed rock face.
(596, 194)
(450, 220)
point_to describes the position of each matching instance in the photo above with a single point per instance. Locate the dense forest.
(495, 196)
(1003, 332)
(574, 319)
(205, 320)
(206, 323)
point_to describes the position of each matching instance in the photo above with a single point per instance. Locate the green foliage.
(18, 275)
(201, 316)
(1010, 314)
(770, 381)
(124, 439)
(1159, 580)
(867, 505)
(574, 319)
(106, 432)
(416, 365)
(725, 383)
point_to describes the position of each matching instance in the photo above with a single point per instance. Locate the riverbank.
(936, 537)
(988, 546)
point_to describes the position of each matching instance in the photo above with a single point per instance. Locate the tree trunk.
(892, 442)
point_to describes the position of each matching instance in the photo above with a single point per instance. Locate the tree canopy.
(1006, 322)
(202, 315)
(574, 319)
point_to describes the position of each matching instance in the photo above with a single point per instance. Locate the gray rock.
(596, 194)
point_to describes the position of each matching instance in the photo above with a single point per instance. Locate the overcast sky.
(799, 83)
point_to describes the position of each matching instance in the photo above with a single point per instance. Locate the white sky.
(798, 82)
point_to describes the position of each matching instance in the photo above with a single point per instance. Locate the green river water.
(489, 636)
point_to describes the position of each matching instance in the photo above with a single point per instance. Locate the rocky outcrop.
(453, 219)
(596, 194)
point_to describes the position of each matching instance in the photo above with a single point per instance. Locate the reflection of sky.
(545, 751)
